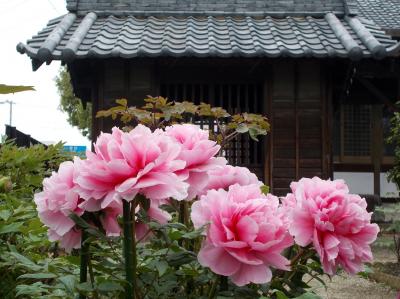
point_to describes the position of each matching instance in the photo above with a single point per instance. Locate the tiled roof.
(385, 13)
(166, 7)
(71, 37)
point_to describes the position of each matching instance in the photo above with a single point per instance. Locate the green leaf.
(193, 234)
(242, 128)
(25, 261)
(69, 283)
(264, 189)
(38, 276)
(176, 225)
(96, 233)
(280, 294)
(162, 267)
(35, 290)
(175, 235)
(109, 286)
(5, 214)
(10, 228)
(79, 221)
(309, 296)
(122, 102)
(6, 89)
(180, 258)
(84, 287)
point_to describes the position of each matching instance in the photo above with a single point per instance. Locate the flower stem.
(224, 283)
(84, 260)
(183, 217)
(129, 250)
(213, 289)
(91, 275)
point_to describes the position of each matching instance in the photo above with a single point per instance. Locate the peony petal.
(255, 274)
(218, 260)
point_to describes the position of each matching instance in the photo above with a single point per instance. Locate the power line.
(6, 10)
(53, 6)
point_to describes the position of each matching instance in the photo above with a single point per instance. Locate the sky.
(36, 112)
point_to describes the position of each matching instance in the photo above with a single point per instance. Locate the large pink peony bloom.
(224, 176)
(336, 222)
(57, 201)
(245, 236)
(125, 164)
(199, 154)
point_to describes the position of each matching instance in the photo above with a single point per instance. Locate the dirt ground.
(354, 287)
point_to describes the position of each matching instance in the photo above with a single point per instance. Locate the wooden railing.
(20, 139)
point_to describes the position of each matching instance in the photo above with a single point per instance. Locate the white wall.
(363, 183)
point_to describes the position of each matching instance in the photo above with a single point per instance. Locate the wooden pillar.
(268, 140)
(96, 90)
(377, 146)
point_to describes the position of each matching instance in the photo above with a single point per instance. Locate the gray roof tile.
(74, 37)
(385, 13)
(166, 7)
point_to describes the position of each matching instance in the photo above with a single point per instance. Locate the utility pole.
(11, 109)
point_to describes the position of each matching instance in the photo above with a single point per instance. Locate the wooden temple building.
(325, 72)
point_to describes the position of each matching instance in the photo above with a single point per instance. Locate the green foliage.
(6, 89)
(394, 228)
(78, 115)
(394, 174)
(394, 138)
(159, 112)
(24, 249)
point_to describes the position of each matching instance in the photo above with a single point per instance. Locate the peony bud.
(5, 184)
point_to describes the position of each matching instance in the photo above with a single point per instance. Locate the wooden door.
(297, 109)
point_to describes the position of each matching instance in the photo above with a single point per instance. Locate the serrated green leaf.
(69, 282)
(5, 214)
(33, 291)
(10, 228)
(38, 276)
(122, 102)
(193, 234)
(162, 267)
(242, 128)
(109, 286)
(175, 235)
(25, 261)
(264, 189)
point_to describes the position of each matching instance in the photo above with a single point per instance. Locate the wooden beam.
(377, 146)
(377, 93)
(296, 113)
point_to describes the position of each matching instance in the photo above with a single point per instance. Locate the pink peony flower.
(336, 222)
(125, 164)
(70, 240)
(245, 235)
(56, 202)
(224, 176)
(155, 213)
(108, 215)
(199, 154)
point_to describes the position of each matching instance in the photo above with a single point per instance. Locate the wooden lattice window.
(356, 130)
(363, 129)
(235, 98)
